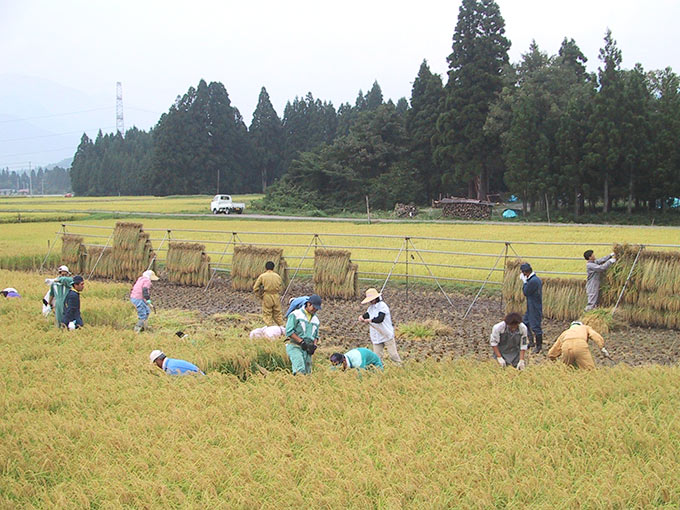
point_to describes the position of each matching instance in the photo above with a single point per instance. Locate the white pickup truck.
(223, 204)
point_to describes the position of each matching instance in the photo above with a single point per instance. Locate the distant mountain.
(64, 163)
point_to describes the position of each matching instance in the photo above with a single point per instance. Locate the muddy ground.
(470, 338)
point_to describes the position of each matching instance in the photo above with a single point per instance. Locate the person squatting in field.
(71, 317)
(572, 345)
(594, 268)
(267, 287)
(509, 341)
(10, 292)
(48, 299)
(532, 288)
(302, 332)
(173, 366)
(59, 288)
(268, 332)
(140, 297)
(359, 358)
(379, 319)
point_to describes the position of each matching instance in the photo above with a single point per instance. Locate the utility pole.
(30, 180)
(120, 125)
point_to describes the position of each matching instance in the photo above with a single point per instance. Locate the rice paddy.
(87, 422)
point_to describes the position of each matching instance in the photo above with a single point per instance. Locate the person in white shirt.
(509, 341)
(379, 319)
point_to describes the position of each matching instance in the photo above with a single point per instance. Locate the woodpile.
(464, 208)
(405, 210)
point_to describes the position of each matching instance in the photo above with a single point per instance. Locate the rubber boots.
(140, 326)
(531, 339)
(539, 343)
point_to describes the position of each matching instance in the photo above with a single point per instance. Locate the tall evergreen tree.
(665, 181)
(266, 135)
(480, 51)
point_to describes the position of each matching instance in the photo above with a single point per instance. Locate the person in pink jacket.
(141, 298)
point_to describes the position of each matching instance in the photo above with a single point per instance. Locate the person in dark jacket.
(533, 290)
(71, 317)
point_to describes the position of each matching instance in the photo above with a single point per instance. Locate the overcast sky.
(65, 56)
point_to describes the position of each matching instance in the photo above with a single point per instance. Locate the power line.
(55, 115)
(35, 152)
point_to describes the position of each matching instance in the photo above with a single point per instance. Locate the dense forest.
(543, 128)
(40, 181)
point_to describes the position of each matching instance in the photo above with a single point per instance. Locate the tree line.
(544, 129)
(40, 181)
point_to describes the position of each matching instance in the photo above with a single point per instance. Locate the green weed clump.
(422, 330)
(88, 422)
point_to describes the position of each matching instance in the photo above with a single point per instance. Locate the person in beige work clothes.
(268, 287)
(572, 345)
(379, 319)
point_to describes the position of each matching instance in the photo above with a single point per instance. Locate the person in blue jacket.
(71, 317)
(532, 288)
(359, 358)
(296, 303)
(173, 366)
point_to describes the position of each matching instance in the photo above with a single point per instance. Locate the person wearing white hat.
(379, 319)
(55, 296)
(141, 298)
(173, 366)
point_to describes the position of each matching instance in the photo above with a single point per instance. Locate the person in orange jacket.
(572, 345)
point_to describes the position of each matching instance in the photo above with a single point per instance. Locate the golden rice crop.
(88, 422)
(249, 261)
(187, 264)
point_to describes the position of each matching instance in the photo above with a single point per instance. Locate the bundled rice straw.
(188, 264)
(334, 274)
(132, 251)
(651, 298)
(104, 268)
(248, 263)
(73, 253)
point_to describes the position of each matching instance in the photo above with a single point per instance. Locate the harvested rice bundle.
(73, 253)
(188, 264)
(126, 235)
(104, 264)
(600, 319)
(331, 266)
(512, 288)
(248, 263)
(334, 274)
(132, 251)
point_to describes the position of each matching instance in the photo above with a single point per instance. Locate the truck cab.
(223, 204)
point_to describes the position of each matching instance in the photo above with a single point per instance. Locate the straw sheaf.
(347, 289)
(132, 251)
(73, 253)
(331, 266)
(188, 264)
(249, 261)
(104, 265)
(126, 235)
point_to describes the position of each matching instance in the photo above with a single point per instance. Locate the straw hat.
(371, 294)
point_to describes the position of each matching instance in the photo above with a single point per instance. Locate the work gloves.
(605, 353)
(521, 365)
(523, 277)
(308, 348)
(501, 361)
(148, 302)
(72, 325)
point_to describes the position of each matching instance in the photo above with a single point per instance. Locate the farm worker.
(302, 332)
(379, 319)
(59, 288)
(72, 318)
(268, 288)
(269, 332)
(10, 292)
(173, 366)
(141, 298)
(48, 299)
(296, 303)
(572, 345)
(509, 341)
(594, 268)
(360, 358)
(533, 290)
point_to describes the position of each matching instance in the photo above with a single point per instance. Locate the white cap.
(150, 275)
(155, 355)
(63, 268)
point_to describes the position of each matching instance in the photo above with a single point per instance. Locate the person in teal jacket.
(59, 289)
(359, 358)
(302, 332)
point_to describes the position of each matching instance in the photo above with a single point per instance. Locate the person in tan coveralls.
(268, 287)
(572, 345)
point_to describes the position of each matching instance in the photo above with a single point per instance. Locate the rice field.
(87, 422)
(196, 204)
(466, 260)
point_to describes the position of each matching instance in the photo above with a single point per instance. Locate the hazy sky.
(157, 49)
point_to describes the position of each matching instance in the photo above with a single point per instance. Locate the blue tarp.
(676, 202)
(513, 198)
(509, 213)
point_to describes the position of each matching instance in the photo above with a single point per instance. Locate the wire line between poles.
(625, 284)
(484, 284)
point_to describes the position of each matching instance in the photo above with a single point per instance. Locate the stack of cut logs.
(405, 210)
(465, 208)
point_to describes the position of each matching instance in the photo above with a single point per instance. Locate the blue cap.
(78, 279)
(526, 267)
(315, 300)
